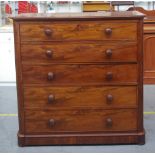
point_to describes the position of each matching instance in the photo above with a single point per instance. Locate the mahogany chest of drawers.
(79, 78)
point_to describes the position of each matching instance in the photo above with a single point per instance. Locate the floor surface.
(9, 128)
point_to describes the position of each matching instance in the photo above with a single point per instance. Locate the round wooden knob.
(108, 53)
(51, 122)
(109, 76)
(49, 53)
(109, 98)
(108, 31)
(48, 32)
(109, 122)
(50, 76)
(51, 98)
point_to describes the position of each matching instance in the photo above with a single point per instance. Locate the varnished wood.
(19, 78)
(123, 97)
(79, 30)
(80, 120)
(149, 47)
(78, 52)
(79, 78)
(149, 57)
(79, 16)
(94, 138)
(80, 74)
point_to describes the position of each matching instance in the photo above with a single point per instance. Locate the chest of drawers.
(79, 78)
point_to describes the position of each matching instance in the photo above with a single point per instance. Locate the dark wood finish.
(79, 78)
(80, 74)
(78, 52)
(149, 47)
(80, 120)
(126, 15)
(85, 30)
(86, 96)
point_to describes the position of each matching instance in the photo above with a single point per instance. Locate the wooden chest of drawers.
(80, 78)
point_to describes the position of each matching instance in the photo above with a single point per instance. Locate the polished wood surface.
(79, 78)
(86, 96)
(80, 16)
(78, 52)
(149, 47)
(80, 74)
(77, 30)
(80, 120)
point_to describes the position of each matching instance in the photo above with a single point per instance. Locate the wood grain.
(80, 120)
(80, 16)
(78, 52)
(80, 74)
(69, 92)
(149, 56)
(83, 30)
(71, 97)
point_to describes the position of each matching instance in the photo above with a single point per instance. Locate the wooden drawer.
(80, 120)
(69, 97)
(79, 52)
(79, 30)
(80, 74)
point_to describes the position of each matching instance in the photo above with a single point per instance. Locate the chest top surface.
(79, 16)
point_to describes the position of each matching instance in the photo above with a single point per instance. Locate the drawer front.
(80, 120)
(69, 97)
(79, 30)
(80, 74)
(79, 52)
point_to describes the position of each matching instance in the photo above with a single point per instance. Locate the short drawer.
(79, 30)
(80, 120)
(79, 52)
(80, 74)
(86, 96)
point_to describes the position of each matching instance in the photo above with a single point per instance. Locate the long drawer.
(79, 52)
(75, 30)
(80, 74)
(86, 96)
(80, 120)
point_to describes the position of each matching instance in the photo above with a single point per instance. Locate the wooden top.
(149, 14)
(77, 16)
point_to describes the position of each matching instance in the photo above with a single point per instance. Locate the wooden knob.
(108, 53)
(51, 122)
(50, 76)
(48, 32)
(109, 76)
(109, 122)
(108, 31)
(49, 53)
(109, 98)
(51, 98)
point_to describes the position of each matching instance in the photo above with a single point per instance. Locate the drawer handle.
(51, 122)
(48, 32)
(109, 98)
(108, 31)
(49, 53)
(50, 76)
(108, 53)
(109, 76)
(109, 122)
(51, 98)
